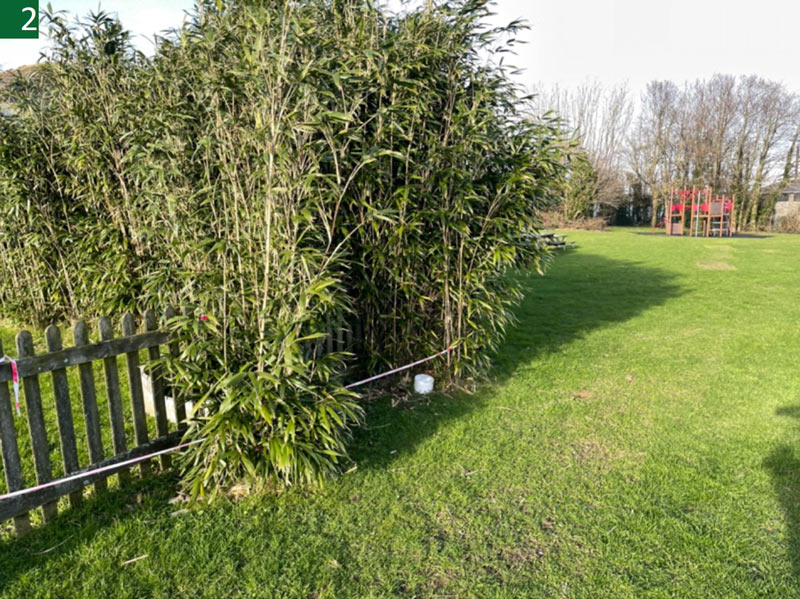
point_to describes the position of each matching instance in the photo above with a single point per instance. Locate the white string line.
(67, 479)
(136, 460)
(406, 367)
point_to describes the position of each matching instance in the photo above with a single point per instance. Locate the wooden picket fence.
(56, 361)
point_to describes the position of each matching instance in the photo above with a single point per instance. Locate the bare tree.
(650, 143)
(738, 135)
(598, 118)
(735, 135)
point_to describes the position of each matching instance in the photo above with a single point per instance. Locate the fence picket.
(357, 339)
(340, 347)
(113, 396)
(137, 397)
(90, 416)
(179, 401)
(10, 450)
(66, 427)
(329, 338)
(154, 354)
(33, 408)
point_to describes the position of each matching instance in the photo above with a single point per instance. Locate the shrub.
(554, 219)
(789, 223)
(279, 166)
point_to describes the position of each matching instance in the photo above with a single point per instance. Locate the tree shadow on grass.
(580, 293)
(783, 464)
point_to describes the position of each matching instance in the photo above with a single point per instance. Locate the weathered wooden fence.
(341, 337)
(56, 361)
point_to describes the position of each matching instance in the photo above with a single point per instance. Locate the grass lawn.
(639, 438)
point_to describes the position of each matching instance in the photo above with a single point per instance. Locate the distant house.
(788, 203)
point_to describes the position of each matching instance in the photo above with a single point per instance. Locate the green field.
(639, 438)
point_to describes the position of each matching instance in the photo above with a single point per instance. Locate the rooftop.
(792, 187)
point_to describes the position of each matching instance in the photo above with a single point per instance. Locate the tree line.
(738, 135)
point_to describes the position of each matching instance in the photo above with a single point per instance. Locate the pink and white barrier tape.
(14, 380)
(136, 460)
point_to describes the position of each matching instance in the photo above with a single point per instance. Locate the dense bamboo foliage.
(278, 167)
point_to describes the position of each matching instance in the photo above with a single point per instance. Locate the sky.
(142, 17)
(571, 41)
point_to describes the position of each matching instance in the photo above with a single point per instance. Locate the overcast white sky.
(571, 41)
(142, 17)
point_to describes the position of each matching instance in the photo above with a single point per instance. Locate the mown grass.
(639, 439)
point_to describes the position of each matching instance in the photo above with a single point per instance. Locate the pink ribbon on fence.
(14, 380)
(15, 383)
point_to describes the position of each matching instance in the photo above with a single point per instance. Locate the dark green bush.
(279, 166)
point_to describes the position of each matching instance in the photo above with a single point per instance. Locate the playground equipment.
(720, 217)
(708, 215)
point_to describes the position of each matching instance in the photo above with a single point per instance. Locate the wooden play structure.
(708, 216)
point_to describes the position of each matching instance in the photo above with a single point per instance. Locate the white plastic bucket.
(423, 384)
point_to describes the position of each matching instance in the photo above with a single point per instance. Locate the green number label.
(19, 19)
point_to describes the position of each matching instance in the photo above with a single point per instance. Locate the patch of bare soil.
(589, 451)
(524, 554)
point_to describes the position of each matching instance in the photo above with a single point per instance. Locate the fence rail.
(75, 356)
(83, 355)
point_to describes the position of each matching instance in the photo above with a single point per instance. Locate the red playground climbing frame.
(708, 215)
